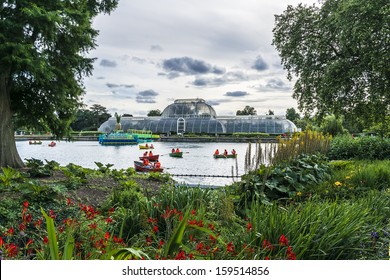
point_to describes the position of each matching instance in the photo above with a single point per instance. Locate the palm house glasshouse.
(196, 116)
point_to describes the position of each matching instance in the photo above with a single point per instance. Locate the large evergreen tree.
(43, 48)
(340, 54)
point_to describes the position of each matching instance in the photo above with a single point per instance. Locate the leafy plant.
(38, 169)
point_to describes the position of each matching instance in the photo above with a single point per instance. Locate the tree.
(154, 113)
(43, 47)
(270, 113)
(248, 110)
(340, 55)
(292, 115)
(90, 119)
(333, 125)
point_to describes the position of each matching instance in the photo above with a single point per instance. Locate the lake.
(197, 158)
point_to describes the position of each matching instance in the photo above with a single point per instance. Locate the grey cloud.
(274, 85)
(259, 64)
(189, 66)
(236, 93)
(146, 96)
(156, 48)
(111, 85)
(227, 78)
(108, 63)
(139, 60)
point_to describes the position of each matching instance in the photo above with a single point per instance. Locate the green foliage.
(90, 119)
(281, 181)
(9, 176)
(326, 230)
(38, 169)
(250, 134)
(248, 110)
(104, 168)
(332, 125)
(370, 148)
(154, 113)
(339, 53)
(292, 115)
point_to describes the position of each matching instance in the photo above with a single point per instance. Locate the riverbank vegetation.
(302, 206)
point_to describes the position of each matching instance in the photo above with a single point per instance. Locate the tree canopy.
(154, 113)
(292, 115)
(90, 119)
(43, 59)
(248, 110)
(339, 54)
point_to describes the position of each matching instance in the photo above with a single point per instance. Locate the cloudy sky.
(151, 52)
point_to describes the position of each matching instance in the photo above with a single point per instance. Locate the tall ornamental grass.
(287, 149)
(327, 230)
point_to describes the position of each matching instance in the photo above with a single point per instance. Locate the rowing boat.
(176, 154)
(150, 158)
(139, 166)
(225, 156)
(144, 147)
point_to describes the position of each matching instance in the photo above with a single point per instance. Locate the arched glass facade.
(199, 117)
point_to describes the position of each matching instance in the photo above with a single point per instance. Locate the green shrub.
(371, 148)
(283, 180)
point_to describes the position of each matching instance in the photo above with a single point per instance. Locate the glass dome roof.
(189, 108)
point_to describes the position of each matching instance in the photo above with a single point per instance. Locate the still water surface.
(197, 158)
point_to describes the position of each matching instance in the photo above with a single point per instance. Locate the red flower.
(112, 210)
(155, 228)
(51, 214)
(161, 244)
(230, 247)
(151, 220)
(93, 225)
(211, 226)
(267, 245)
(181, 255)
(283, 240)
(248, 227)
(29, 242)
(22, 227)
(1, 242)
(148, 240)
(69, 202)
(290, 254)
(25, 204)
(107, 235)
(11, 231)
(193, 212)
(267, 258)
(199, 246)
(11, 249)
(108, 220)
(45, 240)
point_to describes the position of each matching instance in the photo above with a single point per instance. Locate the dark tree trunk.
(9, 155)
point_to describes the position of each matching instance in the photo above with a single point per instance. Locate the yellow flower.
(338, 184)
(299, 193)
(347, 177)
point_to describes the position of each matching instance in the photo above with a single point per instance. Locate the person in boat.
(177, 150)
(233, 152)
(147, 146)
(216, 152)
(225, 152)
(151, 146)
(150, 153)
(145, 162)
(157, 164)
(173, 150)
(145, 154)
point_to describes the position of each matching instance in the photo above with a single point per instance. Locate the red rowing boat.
(150, 158)
(139, 166)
